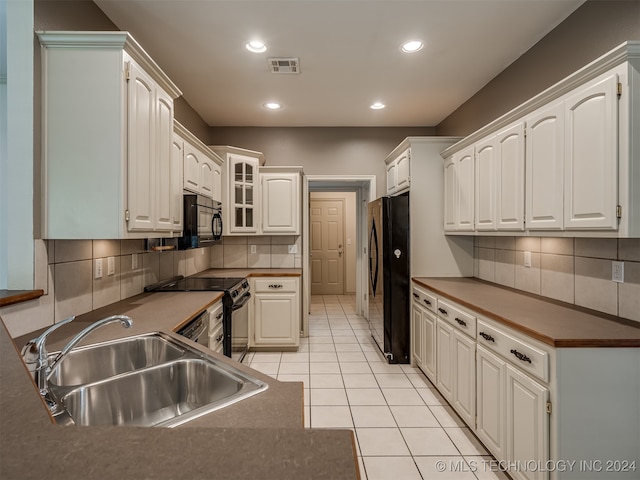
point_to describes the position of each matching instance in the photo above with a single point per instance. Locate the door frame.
(365, 188)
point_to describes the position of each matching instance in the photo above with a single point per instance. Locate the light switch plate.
(111, 265)
(527, 259)
(98, 268)
(253, 249)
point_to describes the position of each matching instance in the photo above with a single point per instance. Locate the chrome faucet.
(35, 351)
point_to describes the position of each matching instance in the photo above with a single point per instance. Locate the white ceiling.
(349, 53)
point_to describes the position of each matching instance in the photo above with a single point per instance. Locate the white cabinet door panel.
(510, 183)
(164, 187)
(527, 424)
(545, 168)
(464, 367)
(591, 156)
(141, 168)
(490, 378)
(486, 175)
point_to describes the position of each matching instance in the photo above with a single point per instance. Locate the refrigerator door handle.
(373, 257)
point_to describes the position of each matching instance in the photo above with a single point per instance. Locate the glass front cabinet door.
(243, 185)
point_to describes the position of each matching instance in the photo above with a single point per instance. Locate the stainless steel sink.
(96, 362)
(123, 384)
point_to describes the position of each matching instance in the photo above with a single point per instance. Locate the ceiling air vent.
(284, 65)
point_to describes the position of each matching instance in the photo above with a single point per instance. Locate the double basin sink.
(145, 380)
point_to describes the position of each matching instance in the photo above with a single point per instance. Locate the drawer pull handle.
(443, 311)
(219, 316)
(487, 337)
(275, 285)
(461, 322)
(521, 356)
(427, 302)
(415, 295)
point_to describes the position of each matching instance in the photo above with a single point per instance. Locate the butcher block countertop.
(250, 272)
(552, 322)
(259, 437)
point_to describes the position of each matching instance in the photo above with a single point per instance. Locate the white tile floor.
(405, 430)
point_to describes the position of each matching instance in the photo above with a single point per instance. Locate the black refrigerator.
(389, 270)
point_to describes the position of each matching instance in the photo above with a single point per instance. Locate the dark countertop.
(555, 323)
(260, 437)
(9, 297)
(250, 272)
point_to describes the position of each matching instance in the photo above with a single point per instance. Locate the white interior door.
(326, 234)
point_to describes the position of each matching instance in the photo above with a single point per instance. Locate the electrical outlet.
(134, 261)
(98, 268)
(253, 249)
(617, 271)
(111, 265)
(527, 259)
(293, 249)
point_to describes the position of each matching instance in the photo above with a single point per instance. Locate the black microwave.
(202, 222)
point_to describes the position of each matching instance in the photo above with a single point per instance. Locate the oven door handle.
(199, 331)
(243, 301)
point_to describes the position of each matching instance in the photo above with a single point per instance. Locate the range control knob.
(234, 293)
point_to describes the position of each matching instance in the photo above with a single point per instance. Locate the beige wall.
(592, 30)
(322, 151)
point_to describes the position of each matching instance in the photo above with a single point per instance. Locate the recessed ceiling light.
(412, 46)
(377, 106)
(255, 46)
(272, 106)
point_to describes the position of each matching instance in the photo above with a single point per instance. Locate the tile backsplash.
(65, 270)
(573, 270)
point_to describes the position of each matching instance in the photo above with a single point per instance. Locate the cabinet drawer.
(518, 352)
(215, 319)
(460, 319)
(422, 297)
(215, 338)
(276, 284)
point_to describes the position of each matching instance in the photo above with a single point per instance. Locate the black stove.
(234, 302)
(197, 284)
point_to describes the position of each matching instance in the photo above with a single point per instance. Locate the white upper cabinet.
(107, 138)
(281, 198)
(201, 166)
(591, 155)
(241, 190)
(486, 178)
(399, 173)
(177, 172)
(459, 191)
(510, 164)
(575, 143)
(545, 168)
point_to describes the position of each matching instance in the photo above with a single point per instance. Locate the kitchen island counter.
(259, 437)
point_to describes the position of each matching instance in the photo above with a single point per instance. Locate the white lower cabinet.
(464, 377)
(444, 367)
(276, 312)
(544, 412)
(527, 424)
(215, 327)
(490, 382)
